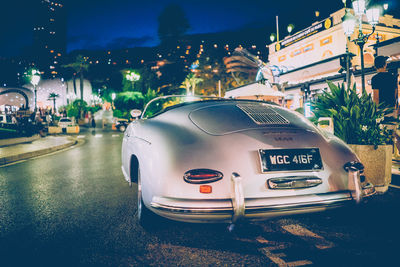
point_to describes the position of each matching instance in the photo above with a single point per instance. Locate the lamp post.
(132, 77)
(349, 23)
(113, 95)
(35, 78)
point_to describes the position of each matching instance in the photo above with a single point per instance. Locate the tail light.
(202, 176)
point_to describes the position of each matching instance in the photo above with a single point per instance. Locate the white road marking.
(98, 135)
(115, 135)
(81, 136)
(278, 256)
(306, 234)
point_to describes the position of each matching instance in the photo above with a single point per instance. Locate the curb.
(36, 153)
(18, 140)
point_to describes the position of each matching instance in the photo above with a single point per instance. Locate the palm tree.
(79, 66)
(53, 96)
(186, 85)
(190, 82)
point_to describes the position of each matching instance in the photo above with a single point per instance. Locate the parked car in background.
(64, 122)
(222, 160)
(121, 124)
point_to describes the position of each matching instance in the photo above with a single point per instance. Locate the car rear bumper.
(254, 209)
(239, 207)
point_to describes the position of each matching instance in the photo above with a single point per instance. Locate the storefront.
(307, 59)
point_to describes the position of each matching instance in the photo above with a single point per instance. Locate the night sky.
(110, 24)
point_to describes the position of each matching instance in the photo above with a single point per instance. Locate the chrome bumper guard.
(359, 191)
(237, 197)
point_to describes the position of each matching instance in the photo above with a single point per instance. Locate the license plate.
(304, 159)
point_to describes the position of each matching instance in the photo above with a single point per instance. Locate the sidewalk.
(38, 147)
(395, 173)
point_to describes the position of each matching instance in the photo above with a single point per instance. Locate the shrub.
(356, 118)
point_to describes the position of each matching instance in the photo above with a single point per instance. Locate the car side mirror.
(135, 113)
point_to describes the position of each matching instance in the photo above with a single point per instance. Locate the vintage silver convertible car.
(221, 160)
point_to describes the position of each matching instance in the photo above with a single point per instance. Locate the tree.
(186, 85)
(191, 80)
(80, 65)
(53, 97)
(172, 24)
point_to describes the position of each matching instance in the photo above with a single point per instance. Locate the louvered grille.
(263, 115)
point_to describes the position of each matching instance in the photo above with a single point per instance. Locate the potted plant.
(364, 126)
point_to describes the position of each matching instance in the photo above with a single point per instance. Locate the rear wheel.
(122, 128)
(147, 219)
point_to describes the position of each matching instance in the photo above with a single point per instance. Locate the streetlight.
(272, 37)
(35, 78)
(349, 23)
(132, 77)
(290, 28)
(385, 6)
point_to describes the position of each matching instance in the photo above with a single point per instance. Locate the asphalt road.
(73, 208)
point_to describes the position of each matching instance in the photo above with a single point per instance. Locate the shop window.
(308, 48)
(295, 53)
(326, 41)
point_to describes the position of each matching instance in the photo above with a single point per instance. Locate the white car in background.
(64, 122)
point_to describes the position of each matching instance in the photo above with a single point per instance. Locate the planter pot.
(54, 129)
(73, 129)
(377, 163)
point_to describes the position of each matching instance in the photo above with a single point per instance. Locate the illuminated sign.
(323, 25)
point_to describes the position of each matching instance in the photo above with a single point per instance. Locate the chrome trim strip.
(125, 174)
(144, 140)
(301, 206)
(333, 203)
(172, 209)
(293, 182)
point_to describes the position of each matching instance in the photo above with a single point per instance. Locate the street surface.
(74, 208)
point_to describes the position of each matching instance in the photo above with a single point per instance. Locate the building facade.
(304, 61)
(49, 37)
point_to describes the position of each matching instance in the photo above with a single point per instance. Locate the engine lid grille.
(263, 115)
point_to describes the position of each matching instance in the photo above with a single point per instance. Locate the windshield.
(65, 120)
(161, 104)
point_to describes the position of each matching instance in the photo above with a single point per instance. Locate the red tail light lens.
(202, 176)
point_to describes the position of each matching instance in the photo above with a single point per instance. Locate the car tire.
(122, 128)
(146, 218)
